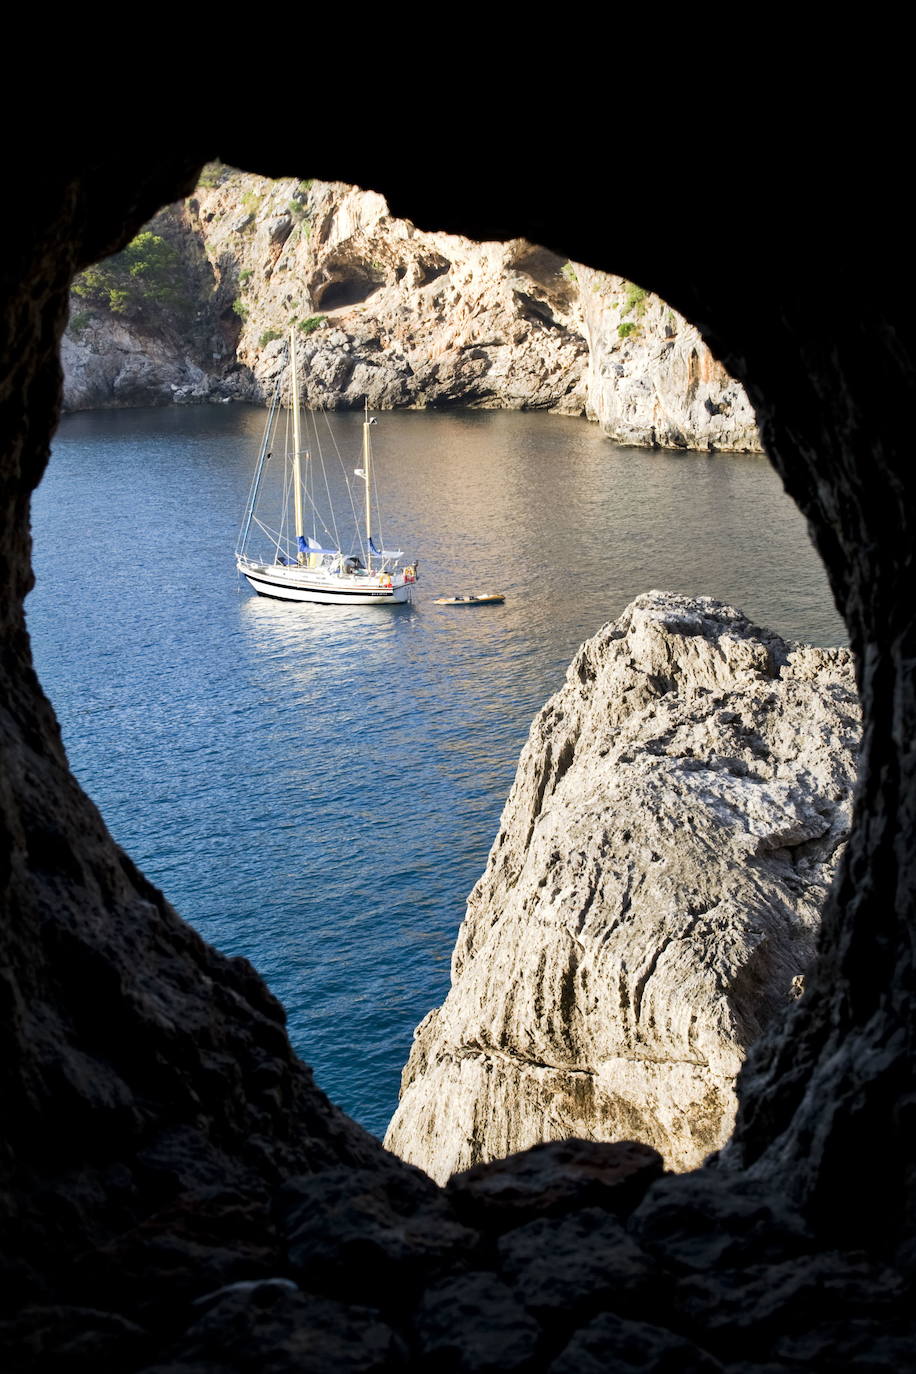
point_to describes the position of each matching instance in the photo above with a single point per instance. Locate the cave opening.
(812, 1099)
(648, 542)
(350, 290)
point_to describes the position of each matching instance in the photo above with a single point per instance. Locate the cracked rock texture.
(652, 898)
(651, 379)
(398, 315)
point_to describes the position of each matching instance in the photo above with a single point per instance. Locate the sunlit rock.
(392, 314)
(652, 898)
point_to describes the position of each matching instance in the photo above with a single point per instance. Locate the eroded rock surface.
(396, 315)
(651, 379)
(651, 899)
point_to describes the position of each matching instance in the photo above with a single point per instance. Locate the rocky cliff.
(651, 899)
(388, 312)
(651, 379)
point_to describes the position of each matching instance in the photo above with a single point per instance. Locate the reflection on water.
(316, 787)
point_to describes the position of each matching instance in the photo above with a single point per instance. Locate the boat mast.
(367, 475)
(297, 436)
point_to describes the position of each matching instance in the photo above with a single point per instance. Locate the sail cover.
(308, 545)
(384, 553)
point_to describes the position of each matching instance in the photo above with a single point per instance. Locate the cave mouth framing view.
(172, 1145)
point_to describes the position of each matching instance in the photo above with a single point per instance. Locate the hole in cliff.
(325, 826)
(432, 270)
(352, 290)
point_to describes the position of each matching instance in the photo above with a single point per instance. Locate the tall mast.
(367, 473)
(297, 436)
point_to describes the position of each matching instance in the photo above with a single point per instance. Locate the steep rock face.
(651, 899)
(110, 363)
(403, 317)
(651, 378)
(407, 319)
(384, 311)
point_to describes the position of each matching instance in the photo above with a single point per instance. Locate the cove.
(317, 789)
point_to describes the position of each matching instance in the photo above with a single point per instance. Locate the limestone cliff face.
(383, 311)
(651, 379)
(403, 317)
(652, 897)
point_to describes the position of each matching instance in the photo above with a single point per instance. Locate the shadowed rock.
(124, 1035)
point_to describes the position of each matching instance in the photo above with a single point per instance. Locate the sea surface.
(317, 788)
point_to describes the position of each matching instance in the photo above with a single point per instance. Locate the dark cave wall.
(142, 1068)
(138, 1064)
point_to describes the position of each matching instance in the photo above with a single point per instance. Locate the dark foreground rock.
(153, 1112)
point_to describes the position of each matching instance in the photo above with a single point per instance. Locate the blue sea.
(317, 788)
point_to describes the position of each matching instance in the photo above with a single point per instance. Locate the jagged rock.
(271, 1327)
(399, 317)
(69, 1340)
(612, 1345)
(565, 1270)
(109, 363)
(651, 378)
(386, 312)
(752, 1306)
(552, 1178)
(651, 898)
(117, 1025)
(700, 1222)
(865, 1345)
(474, 1324)
(370, 1235)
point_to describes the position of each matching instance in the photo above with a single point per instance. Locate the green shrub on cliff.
(311, 323)
(627, 328)
(213, 174)
(635, 299)
(142, 280)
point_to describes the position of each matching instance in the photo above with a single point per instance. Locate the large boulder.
(652, 898)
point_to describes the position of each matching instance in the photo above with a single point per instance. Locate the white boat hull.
(298, 584)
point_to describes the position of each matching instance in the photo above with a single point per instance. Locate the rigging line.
(310, 478)
(327, 486)
(260, 467)
(332, 534)
(310, 489)
(283, 536)
(265, 529)
(346, 477)
(378, 506)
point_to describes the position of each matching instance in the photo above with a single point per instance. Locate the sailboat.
(290, 564)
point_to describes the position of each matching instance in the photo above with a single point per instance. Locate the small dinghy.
(480, 599)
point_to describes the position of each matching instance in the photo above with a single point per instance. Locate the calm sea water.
(317, 788)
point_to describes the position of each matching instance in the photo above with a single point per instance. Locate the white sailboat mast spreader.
(297, 437)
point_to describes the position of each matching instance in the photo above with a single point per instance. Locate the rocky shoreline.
(385, 311)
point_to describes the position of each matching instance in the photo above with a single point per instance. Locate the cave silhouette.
(161, 1139)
